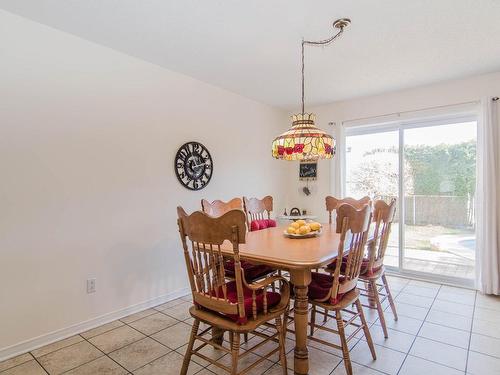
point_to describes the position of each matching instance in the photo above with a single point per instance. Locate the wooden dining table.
(299, 257)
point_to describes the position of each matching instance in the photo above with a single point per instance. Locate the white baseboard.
(60, 334)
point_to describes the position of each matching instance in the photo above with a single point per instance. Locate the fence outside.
(447, 211)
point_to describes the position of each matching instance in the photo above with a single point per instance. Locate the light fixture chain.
(303, 100)
(313, 43)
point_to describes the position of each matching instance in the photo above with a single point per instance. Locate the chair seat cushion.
(333, 265)
(262, 224)
(252, 271)
(364, 266)
(273, 299)
(365, 271)
(320, 286)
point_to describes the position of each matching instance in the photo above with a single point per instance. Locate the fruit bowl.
(307, 235)
(303, 229)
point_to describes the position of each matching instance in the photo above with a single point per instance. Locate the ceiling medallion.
(304, 141)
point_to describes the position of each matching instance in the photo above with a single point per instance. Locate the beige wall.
(87, 141)
(446, 93)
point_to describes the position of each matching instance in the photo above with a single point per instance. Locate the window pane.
(440, 179)
(372, 168)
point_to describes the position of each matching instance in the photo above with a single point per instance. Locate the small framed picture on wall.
(308, 171)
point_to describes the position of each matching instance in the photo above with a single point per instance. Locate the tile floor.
(441, 330)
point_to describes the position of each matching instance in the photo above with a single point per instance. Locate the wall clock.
(193, 165)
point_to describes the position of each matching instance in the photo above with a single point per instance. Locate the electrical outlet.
(90, 286)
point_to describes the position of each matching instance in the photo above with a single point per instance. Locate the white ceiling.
(252, 47)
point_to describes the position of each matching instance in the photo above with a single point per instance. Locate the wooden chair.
(373, 266)
(252, 271)
(235, 306)
(333, 203)
(338, 292)
(219, 208)
(258, 212)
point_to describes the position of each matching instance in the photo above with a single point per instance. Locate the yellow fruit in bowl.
(301, 222)
(315, 226)
(294, 225)
(304, 229)
(297, 231)
(290, 230)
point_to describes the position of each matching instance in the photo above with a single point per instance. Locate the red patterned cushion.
(321, 285)
(365, 271)
(271, 223)
(333, 265)
(272, 300)
(364, 266)
(255, 225)
(252, 271)
(262, 224)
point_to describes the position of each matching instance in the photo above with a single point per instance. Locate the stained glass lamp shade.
(303, 141)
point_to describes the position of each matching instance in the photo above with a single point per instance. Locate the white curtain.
(488, 200)
(337, 168)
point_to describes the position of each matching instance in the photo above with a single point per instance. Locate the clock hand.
(199, 165)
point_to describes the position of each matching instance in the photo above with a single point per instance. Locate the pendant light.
(304, 141)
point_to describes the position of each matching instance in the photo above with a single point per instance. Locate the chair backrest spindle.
(353, 226)
(383, 215)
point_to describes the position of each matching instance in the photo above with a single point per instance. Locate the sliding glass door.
(430, 167)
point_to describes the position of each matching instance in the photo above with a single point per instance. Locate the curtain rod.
(412, 111)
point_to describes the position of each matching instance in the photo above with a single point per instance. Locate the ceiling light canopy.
(304, 141)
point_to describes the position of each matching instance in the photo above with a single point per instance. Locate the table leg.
(301, 279)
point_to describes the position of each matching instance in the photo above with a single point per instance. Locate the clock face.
(193, 165)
